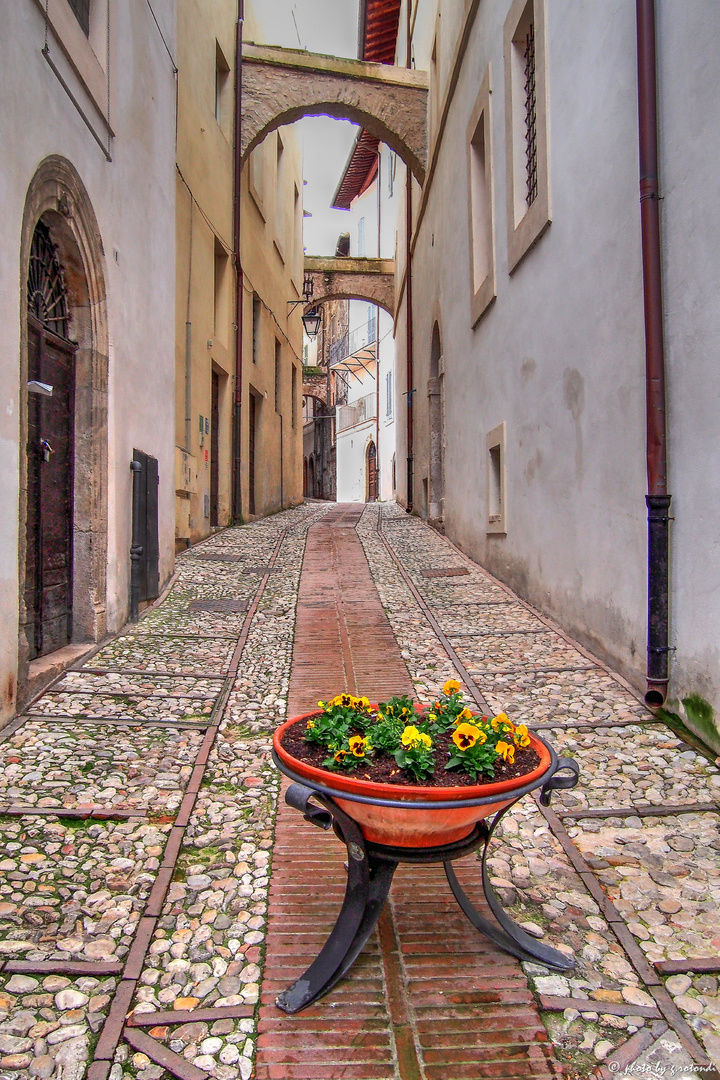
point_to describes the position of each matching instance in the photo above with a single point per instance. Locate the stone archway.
(57, 198)
(338, 278)
(436, 403)
(280, 86)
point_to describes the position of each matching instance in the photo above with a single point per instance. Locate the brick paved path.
(429, 998)
(142, 837)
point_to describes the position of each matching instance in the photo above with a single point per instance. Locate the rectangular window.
(372, 324)
(526, 127)
(222, 90)
(280, 199)
(480, 182)
(256, 327)
(278, 361)
(388, 394)
(256, 178)
(361, 238)
(495, 480)
(293, 389)
(221, 293)
(81, 9)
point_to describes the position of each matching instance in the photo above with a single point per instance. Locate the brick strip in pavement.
(429, 998)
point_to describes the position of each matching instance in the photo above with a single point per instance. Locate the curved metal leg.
(368, 884)
(508, 935)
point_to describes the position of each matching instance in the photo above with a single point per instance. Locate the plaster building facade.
(527, 437)
(87, 284)
(238, 424)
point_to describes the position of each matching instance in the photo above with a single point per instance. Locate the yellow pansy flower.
(410, 736)
(309, 726)
(339, 755)
(451, 686)
(466, 735)
(522, 737)
(506, 751)
(359, 746)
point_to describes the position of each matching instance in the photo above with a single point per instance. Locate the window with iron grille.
(526, 126)
(530, 117)
(389, 393)
(81, 9)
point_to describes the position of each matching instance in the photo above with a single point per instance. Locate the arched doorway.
(371, 473)
(63, 508)
(436, 409)
(50, 452)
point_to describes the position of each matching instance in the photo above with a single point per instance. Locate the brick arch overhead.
(280, 86)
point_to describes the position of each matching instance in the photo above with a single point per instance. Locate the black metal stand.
(370, 869)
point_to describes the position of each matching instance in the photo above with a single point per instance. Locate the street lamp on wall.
(311, 321)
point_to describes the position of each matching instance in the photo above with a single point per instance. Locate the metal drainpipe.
(377, 336)
(658, 500)
(240, 287)
(408, 294)
(188, 342)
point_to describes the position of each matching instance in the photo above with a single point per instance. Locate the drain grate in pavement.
(446, 571)
(225, 606)
(261, 570)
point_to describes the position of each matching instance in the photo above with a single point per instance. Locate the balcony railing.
(362, 337)
(348, 416)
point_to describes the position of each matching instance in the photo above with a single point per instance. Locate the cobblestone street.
(157, 893)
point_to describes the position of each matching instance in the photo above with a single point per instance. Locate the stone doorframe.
(57, 195)
(280, 86)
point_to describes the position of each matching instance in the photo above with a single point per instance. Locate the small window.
(361, 237)
(480, 181)
(81, 9)
(278, 362)
(526, 124)
(293, 389)
(256, 327)
(222, 90)
(256, 178)
(221, 293)
(280, 209)
(372, 324)
(388, 394)
(495, 480)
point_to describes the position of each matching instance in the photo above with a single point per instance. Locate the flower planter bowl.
(404, 816)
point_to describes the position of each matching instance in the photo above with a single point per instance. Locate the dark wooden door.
(372, 473)
(50, 455)
(252, 408)
(214, 447)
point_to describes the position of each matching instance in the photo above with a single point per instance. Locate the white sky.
(322, 26)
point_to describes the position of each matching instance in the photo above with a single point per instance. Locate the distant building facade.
(87, 294)
(238, 414)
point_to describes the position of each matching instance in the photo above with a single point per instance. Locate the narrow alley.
(158, 893)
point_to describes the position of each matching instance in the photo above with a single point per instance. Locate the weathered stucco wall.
(133, 201)
(559, 354)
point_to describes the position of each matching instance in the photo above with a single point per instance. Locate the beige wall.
(206, 289)
(272, 261)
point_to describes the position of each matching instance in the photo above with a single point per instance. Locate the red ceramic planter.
(412, 826)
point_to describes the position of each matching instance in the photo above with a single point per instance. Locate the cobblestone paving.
(668, 902)
(164, 913)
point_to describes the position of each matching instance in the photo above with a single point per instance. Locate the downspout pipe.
(237, 512)
(409, 297)
(657, 500)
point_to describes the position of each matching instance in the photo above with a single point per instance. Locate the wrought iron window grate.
(46, 292)
(530, 118)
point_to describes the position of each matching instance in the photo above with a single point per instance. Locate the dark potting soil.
(383, 769)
